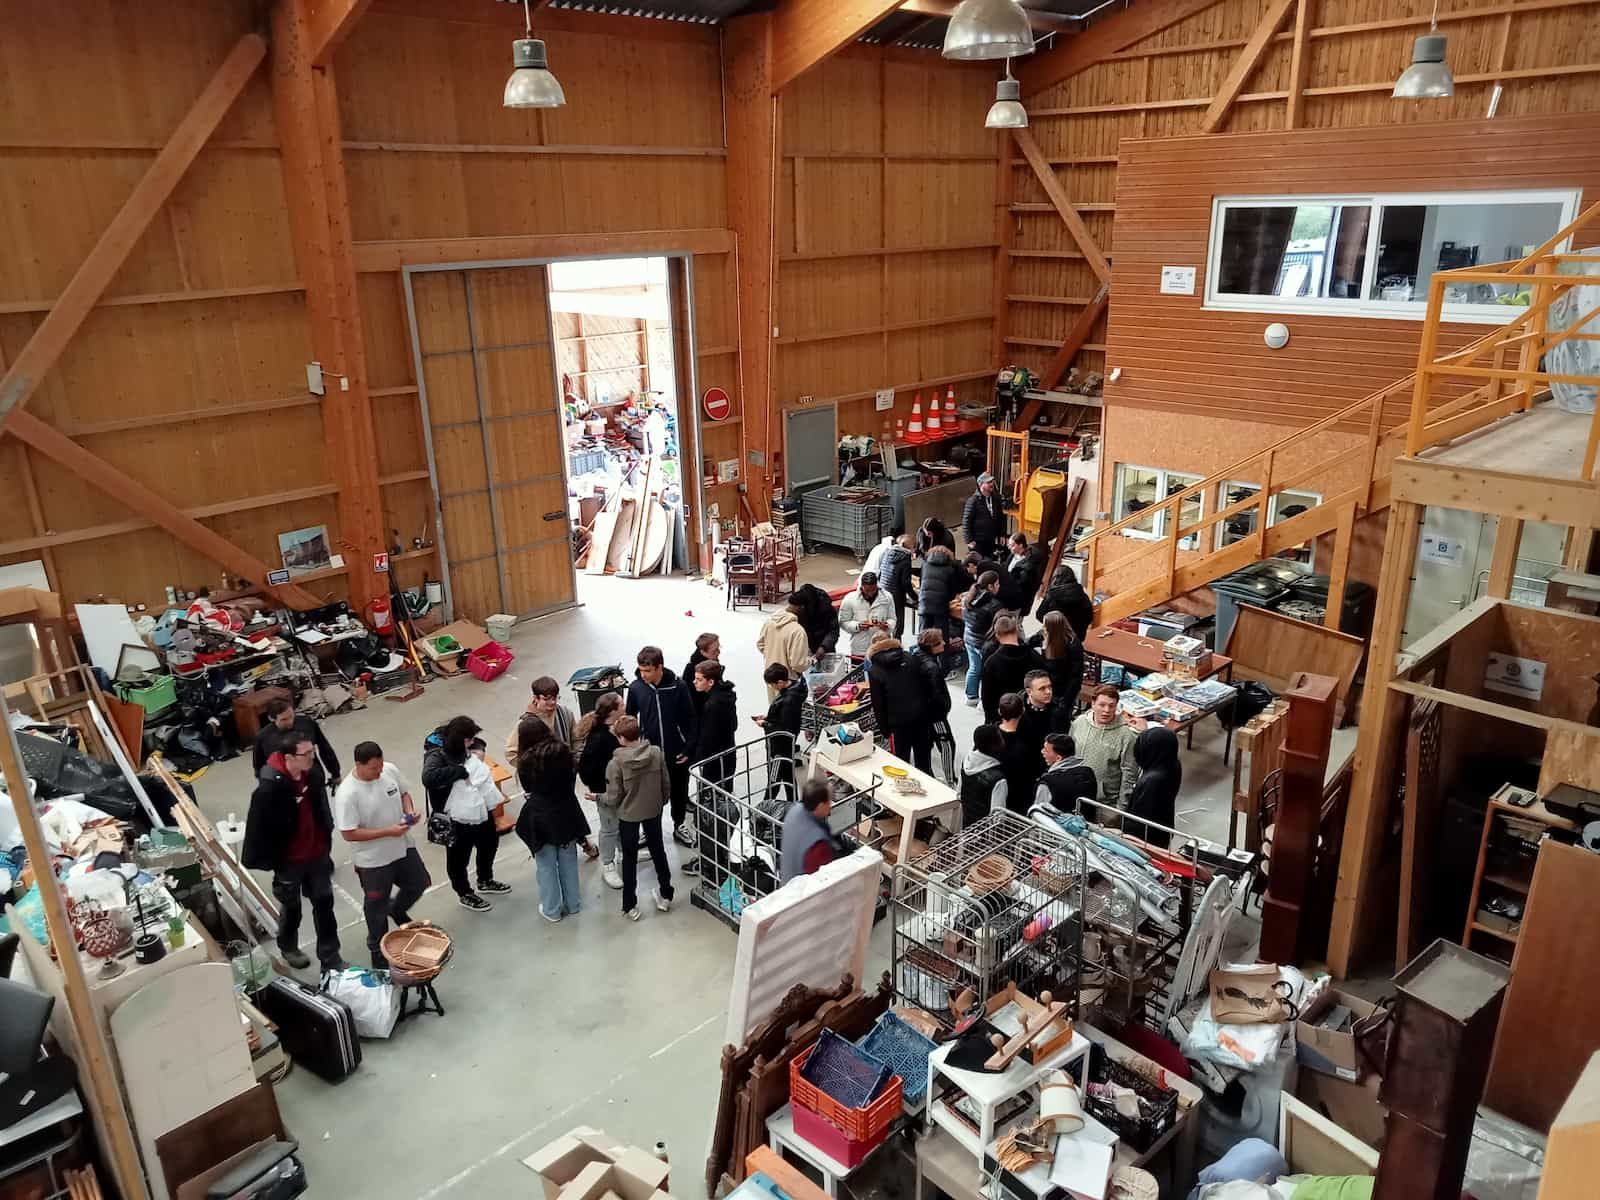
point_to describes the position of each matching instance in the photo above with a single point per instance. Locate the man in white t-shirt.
(373, 812)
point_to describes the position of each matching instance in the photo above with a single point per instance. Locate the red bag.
(490, 661)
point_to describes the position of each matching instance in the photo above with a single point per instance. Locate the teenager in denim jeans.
(979, 610)
(551, 822)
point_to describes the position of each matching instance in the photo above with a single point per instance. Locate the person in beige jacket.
(636, 785)
(783, 640)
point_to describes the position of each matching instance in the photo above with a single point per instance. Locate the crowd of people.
(632, 754)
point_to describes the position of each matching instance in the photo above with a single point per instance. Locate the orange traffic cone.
(935, 425)
(914, 433)
(950, 407)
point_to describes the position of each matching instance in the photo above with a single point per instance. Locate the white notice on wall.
(1177, 281)
(884, 400)
(1438, 548)
(1523, 677)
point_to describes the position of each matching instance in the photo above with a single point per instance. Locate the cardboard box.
(1332, 1053)
(585, 1164)
(1351, 1106)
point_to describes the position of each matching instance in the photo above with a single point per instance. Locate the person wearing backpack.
(459, 788)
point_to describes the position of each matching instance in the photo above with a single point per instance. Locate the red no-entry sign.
(717, 404)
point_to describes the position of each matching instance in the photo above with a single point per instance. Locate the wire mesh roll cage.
(739, 799)
(998, 902)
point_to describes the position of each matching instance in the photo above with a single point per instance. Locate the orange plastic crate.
(867, 1124)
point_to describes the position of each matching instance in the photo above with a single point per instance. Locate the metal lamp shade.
(1007, 111)
(531, 85)
(988, 29)
(1427, 78)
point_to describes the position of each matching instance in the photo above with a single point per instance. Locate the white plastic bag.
(373, 1001)
(1246, 1047)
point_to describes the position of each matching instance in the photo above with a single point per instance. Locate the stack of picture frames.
(755, 1076)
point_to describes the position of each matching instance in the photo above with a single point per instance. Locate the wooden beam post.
(1081, 331)
(114, 1130)
(1063, 205)
(1297, 62)
(1339, 577)
(305, 107)
(1082, 50)
(1503, 564)
(807, 32)
(97, 473)
(752, 122)
(1233, 82)
(1382, 730)
(97, 271)
(329, 22)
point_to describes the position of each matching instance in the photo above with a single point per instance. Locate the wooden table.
(937, 798)
(1147, 656)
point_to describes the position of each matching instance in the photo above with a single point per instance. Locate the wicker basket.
(416, 952)
(990, 874)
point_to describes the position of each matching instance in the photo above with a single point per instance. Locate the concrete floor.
(597, 1020)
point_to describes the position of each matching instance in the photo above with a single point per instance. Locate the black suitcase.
(317, 1031)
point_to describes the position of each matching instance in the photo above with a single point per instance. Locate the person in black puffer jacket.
(1025, 567)
(900, 702)
(979, 611)
(894, 578)
(1007, 668)
(983, 518)
(1066, 596)
(707, 648)
(943, 580)
(933, 533)
(820, 618)
(552, 823)
(719, 723)
(782, 725)
(929, 657)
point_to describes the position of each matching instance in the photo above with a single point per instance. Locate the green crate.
(154, 697)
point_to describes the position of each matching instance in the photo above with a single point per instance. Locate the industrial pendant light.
(1007, 112)
(531, 85)
(988, 29)
(1427, 78)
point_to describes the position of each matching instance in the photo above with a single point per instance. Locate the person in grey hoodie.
(636, 784)
(983, 775)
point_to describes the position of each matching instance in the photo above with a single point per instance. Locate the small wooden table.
(1145, 655)
(937, 799)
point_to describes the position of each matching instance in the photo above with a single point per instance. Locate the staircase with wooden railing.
(1507, 360)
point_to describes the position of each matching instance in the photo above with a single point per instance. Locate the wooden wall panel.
(885, 153)
(1177, 355)
(1160, 87)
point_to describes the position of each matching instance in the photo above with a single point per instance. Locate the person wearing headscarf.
(1155, 796)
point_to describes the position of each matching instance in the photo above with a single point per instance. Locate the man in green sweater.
(1105, 742)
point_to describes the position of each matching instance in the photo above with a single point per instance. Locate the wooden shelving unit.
(1490, 939)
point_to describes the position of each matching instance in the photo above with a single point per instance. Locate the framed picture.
(305, 549)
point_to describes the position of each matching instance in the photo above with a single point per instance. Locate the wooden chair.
(743, 573)
(776, 565)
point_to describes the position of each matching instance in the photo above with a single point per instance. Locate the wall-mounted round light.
(1276, 335)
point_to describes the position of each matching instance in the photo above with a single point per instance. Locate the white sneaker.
(661, 905)
(612, 879)
(633, 913)
(972, 702)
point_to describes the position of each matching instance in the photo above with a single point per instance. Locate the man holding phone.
(864, 613)
(374, 812)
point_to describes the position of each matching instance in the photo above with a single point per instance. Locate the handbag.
(1251, 995)
(441, 829)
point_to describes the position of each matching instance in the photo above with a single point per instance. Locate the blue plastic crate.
(905, 1050)
(845, 1071)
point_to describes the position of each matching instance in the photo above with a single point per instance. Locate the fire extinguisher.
(380, 615)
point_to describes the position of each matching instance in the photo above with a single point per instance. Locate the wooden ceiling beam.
(98, 473)
(97, 271)
(1244, 65)
(329, 22)
(1063, 204)
(1101, 39)
(807, 32)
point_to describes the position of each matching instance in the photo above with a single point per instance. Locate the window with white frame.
(1141, 488)
(1373, 255)
(1280, 508)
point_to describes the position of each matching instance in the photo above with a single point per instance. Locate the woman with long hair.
(551, 822)
(599, 744)
(981, 606)
(1063, 658)
(459, 787)
(943, 581)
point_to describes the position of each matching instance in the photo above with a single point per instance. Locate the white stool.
(781, 1136)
